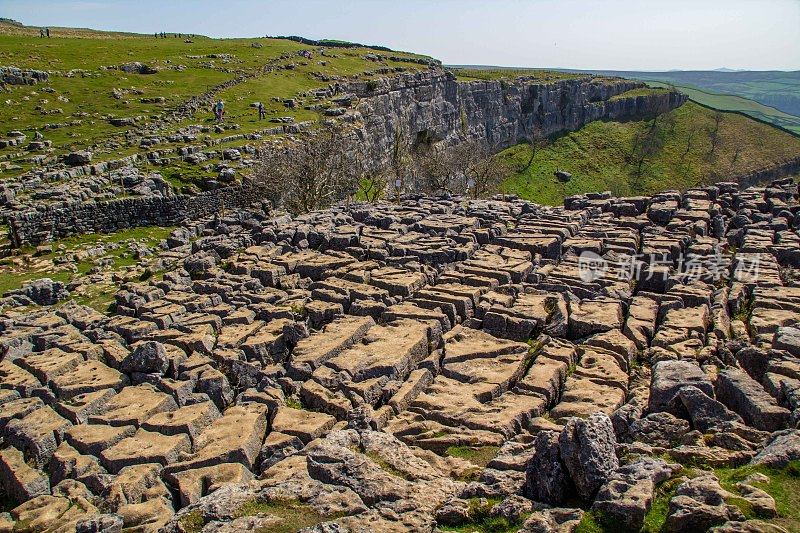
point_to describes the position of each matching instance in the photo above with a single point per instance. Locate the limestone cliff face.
(433, 105)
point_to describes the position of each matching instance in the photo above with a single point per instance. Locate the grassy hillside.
(731, 102)
(677, 150)
(86, 89)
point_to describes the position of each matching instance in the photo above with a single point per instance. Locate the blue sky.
(607, 34)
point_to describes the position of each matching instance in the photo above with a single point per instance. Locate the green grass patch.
(656, 517)
(86, 89)
(497, 73)
(480, 519)
(11, 281)
(733, 102)
(478, 455)
(181, 175)
(641, 91)
(15, 271)
(99, 297)
(594, 522)
(192, 522)
(783, 486)
(294, 515)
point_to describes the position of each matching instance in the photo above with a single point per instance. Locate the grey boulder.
(705, 412)
(149, 357)
(588, 450)
(546, 478)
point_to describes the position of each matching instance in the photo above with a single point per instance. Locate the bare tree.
(480, 168)
(647, 143)
(372, 186)
(713, 133)
(401, 160)
(434, 166)
(536, 141)
(689, 142)
(470, 166)
(312, 173)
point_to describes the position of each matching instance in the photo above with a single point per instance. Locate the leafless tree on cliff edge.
(310, 174)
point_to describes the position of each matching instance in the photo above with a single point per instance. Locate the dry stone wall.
(51, 223)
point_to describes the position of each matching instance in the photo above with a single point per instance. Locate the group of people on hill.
(164, 35)
(44, 32)
(218, 108)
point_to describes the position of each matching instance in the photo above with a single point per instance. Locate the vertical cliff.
(434, 106)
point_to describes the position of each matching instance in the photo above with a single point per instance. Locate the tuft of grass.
(192, 522)
(480, 456)
(293, 403)
(480, 519)
(294, 515)
(380, 461)
(745, 310)
(571, 369)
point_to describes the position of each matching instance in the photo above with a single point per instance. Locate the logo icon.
(591, 266)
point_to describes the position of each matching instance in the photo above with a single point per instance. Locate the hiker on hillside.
(41, 33)
(219, 110)
(262, 112)
(47, 31)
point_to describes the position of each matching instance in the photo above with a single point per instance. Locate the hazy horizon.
(649, 35)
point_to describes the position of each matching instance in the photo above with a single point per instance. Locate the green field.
(542, 75)
(73, 258)
(673, 152)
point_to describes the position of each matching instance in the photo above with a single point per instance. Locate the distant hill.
(775, 89)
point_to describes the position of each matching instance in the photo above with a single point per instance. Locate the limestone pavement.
(404, 367)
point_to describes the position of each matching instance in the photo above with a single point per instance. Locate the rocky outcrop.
(434, 106)
(18, 76)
